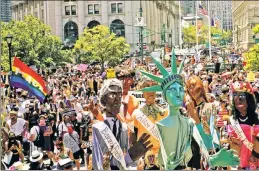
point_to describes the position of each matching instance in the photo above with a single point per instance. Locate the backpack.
(40, 139)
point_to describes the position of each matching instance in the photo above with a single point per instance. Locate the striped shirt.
(221, 113)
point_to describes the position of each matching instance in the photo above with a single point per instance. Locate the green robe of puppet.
(176, 131)
(177, 146)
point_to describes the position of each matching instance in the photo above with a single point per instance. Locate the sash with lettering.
(153, 130)
(111, 143)
(150, 126)
(238, 130)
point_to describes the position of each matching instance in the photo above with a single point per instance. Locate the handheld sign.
(251, 76)
(110, 73)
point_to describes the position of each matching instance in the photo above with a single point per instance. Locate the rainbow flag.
(25, 78)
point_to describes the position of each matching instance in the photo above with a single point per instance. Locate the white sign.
(151, 66)
(140, 22)
(111, 142)
(142, 100)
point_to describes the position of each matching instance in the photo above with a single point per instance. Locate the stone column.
(59, 30)
(81, 16)
(105, 8)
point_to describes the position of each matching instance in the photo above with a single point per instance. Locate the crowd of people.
(89, 119)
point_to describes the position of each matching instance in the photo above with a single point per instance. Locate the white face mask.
(225, 122)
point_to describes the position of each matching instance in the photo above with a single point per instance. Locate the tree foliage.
(252, 58)
(33, 44)
(189, 35)
(256, 29)
(98, 44)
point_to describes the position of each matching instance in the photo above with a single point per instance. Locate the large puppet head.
(127, 80)
(196, 90)
(110, 96)
(150, 97)
(171, 84)
(243, 100)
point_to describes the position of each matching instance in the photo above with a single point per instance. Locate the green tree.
(32, 43)
(252, 58)
(256, 29)
(189, 35)
(100, 44)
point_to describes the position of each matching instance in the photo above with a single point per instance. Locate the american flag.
(202, 10)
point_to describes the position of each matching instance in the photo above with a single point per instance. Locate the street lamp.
(9, 39)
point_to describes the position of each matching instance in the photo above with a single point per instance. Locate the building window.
(67, 10)
(256, 12)
(73, 10)
(120, 8)
(92, 24)
(116, 8)
(113, 8)
(66, 0)
(118, 28)
(70, 33)
(90, 9)
(96, 9)
(42, 14)
(93, 9)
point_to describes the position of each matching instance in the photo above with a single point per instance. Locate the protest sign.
(251, 76)
(110, 73)
(141, 99)
(4, 79)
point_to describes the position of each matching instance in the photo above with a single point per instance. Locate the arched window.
(118, 27)
(92, 24)
(70, 32)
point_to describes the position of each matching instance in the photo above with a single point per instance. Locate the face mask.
(70, 130)
(225, 122)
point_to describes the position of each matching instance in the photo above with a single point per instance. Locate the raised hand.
(140, 147)
(224, 158)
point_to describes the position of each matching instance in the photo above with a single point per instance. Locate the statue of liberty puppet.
(175, 132)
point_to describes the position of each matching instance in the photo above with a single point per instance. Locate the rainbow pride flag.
(25, 78)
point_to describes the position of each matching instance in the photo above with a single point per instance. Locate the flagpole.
(196, 21)
(209, 28)
(180, 25)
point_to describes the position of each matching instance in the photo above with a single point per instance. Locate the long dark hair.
(251, 107)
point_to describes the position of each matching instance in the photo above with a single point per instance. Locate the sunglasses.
(242, 96)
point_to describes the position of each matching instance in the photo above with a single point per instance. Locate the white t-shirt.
(23, 107)
(78, 107)
(35, 130)
(88, 113)
(220, 60)
(62, 128)
(18, 127)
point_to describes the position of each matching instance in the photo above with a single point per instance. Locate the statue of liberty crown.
(167, 78)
